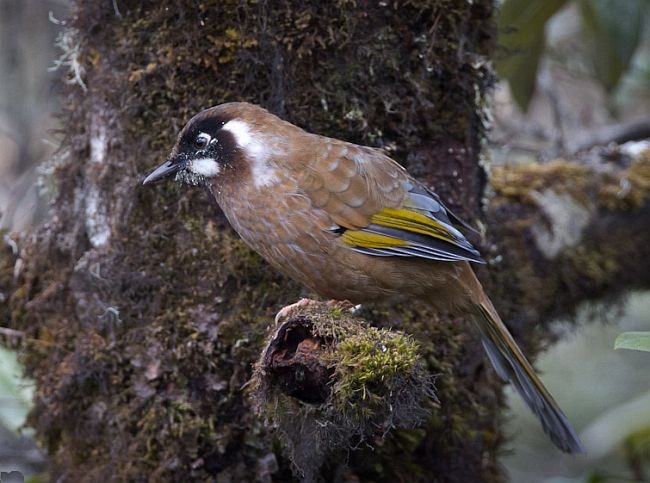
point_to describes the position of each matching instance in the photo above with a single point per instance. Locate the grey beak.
(168, 167)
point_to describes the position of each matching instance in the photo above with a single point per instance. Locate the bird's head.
(228, 141)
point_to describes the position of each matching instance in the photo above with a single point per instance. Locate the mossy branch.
(565, 232)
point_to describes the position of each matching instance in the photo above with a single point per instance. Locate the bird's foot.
(288, 311)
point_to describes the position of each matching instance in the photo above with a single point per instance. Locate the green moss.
(597, 267)
(629, 189)
(368, 367)
(518, 182)
(626, 190)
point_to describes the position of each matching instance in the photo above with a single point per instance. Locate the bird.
(349, 223)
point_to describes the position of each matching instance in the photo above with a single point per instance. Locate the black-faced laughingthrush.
(351, 224)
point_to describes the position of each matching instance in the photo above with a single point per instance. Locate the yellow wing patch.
(413, 221)
(371, 240)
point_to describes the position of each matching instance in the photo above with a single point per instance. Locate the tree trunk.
(143, 312)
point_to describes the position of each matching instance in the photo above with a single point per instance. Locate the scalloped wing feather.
(379, 208)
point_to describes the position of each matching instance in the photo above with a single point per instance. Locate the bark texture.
(143, 313)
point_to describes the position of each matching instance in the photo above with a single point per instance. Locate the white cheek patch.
(258, 149)
(207, 167)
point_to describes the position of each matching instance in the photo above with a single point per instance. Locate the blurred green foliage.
(639, 341)
(521, 30)
(15, 392)
(611, 30)
(606, 392)
(621, 432)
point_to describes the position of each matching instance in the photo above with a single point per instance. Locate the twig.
(11, 332)
(614, 133)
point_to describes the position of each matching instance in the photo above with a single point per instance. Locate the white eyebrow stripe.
(258, 149)
(240, 131)
(207, 167)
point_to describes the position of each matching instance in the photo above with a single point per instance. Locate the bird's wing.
(379, 209)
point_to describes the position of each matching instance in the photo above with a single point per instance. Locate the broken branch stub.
(328, 380)
(293, 360)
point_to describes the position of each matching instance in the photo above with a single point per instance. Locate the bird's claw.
(356, 309)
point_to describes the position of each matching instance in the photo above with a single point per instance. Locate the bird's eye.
(202, 140)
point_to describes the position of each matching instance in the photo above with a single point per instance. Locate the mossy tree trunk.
(143, 312)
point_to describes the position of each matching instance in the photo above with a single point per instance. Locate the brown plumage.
(349, 223)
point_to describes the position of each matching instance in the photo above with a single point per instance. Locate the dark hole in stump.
(293, 362)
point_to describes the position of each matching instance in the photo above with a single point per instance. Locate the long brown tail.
(511, 365)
